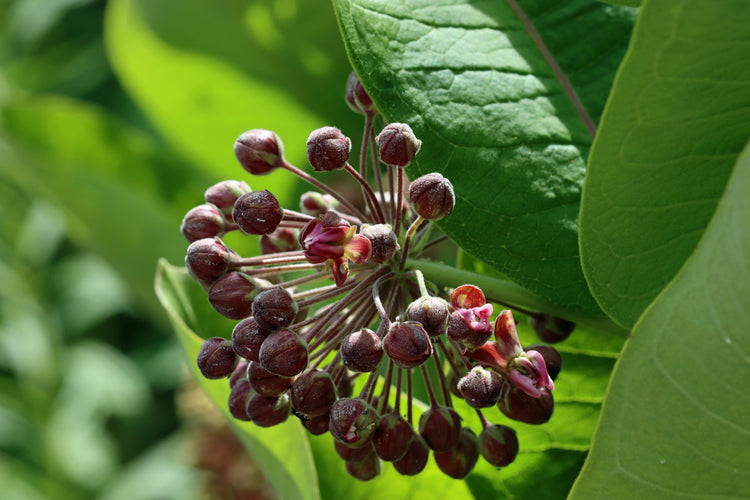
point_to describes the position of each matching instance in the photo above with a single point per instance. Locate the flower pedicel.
(335, 297)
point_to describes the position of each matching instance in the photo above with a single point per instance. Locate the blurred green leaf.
(495, 119)
(282, 452)
(201, 104)
(675, 422)
(678, 118)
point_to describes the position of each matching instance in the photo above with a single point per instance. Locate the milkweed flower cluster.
(336, 295)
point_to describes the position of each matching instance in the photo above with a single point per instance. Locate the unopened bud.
(203, 221)
(216, 358)
(407, 344)
(328, 149)
(431, 312)
(284, 353)
(232, 295)
(458, 462)
(259, 151)
(383, 239)
(361, 351)
(498, 445)
(207, 260)
(357, 97)
(257, 212)
(432, 196)
(397, 144)
(274, 308)
(225, 193)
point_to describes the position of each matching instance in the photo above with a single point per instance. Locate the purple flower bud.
(350, 454)
(383, 241)
(232, 295)
(284, 353)
(517, 405)
(238, 398)
(431, 312)
(207, 260)
(415, 459)
(274, 308)
(361, 351)
(440, 427)
(313, 393)
(460, 330)
(407, 344)
(266, 383)
(257, 212)
(432, 196)
(393, 436)
(224, 194)
(316, 425)
(283, 239)
(216, 358)
(259, 151)
(268, 411)
(357, 97)
(366, 469)
(352, 421)
(480, 388)
(397, 144)
(316, 204)
(328, 149)
(239, 373)
(551, 329)
(458, 462)
(203, 221)
(498, 445)
(247, 337)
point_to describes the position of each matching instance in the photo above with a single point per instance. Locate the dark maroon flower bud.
(316, 425)
(313, 393)
(366, 469)
(257, 212)
(397, 144)
(361, 351)
(407, 344)
(383, 240)
(431, 312)
(216, 358)
(284, 353)
(238, 398)
(316, 204)
(259, 151)
(357, 97)
(552, 358)
(274, 308)
(203, 221)
(266, 383)
(352, 421)
(415, 459)
(207, 260)
(432, 196)
(498, 445)
(463, 333)
(224, 194)
(247, 337)
(283, 239)
(328, 149)
(551, 329)
(350, 454)
(440, 427)
(345, 386)
(232, 295)
(480, 387)
(239, 373)
(517, 405)
(458, 462)
(392, 437)
(268, 411)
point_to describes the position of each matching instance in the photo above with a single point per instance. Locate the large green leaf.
(494, 118)
(675, 422)
(200, 103)
(678, 117)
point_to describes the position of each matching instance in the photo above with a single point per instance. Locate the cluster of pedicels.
(302, 342)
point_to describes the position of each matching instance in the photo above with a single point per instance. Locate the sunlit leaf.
(678, 117)
(675, 422)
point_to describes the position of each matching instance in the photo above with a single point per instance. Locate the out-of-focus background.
(114, 118)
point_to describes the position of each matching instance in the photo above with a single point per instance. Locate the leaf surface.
(494, 118)
(678, 118)
(675, 422)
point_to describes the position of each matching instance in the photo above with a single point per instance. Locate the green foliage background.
(115, 116)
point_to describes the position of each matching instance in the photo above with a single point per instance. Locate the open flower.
(333, 240)
(525, 369)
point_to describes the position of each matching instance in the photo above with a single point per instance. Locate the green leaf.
(494, 118)
(200, 103)
(282, 452)
(117, 186)
(675, 422)
(678, 118)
